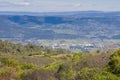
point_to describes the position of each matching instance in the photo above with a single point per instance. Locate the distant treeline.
(10, 47)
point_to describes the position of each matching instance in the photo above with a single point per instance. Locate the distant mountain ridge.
(58, 13)
(63, 25)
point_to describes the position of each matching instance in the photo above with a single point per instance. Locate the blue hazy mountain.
(60, 25)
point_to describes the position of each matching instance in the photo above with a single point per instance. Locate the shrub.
(28, 66)
(39, 75)
(87, 73)
(31, 54)
(114, 64)
(65, 72)
(106, 76)
(9, 62)
(9, 73)
(1, 53)
(77, 55)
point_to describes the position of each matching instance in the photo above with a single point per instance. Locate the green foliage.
(28, 66)
(106, 76)
(30, 49)
(1, 53)
(114, 64)
(95, 74)
(32, 54)
(37, 63)
(52, 67)
(88, 73)
(9, 62)
(10, 73)
(77, 55)
(98, 51)
(65, 72)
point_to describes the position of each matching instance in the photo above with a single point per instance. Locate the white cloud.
(22, 3)
(10, 3)
(77, 5)
(57, 5)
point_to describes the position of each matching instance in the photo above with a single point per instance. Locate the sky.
(59, 5)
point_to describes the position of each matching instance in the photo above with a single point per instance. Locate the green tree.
(114, 64)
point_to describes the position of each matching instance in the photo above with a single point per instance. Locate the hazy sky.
(59, 5)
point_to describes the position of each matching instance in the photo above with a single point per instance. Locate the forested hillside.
(31, 62)
(71, 25)
(84, 31)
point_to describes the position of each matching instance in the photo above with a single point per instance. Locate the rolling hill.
(86, 25)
